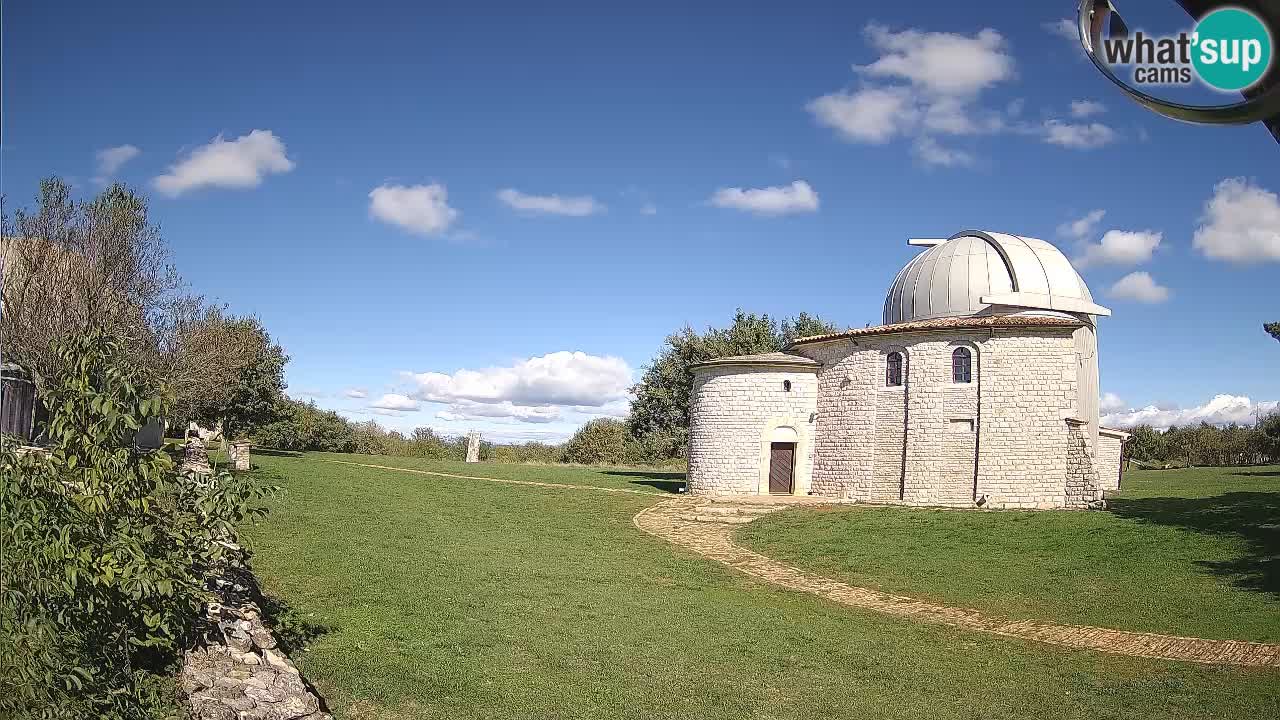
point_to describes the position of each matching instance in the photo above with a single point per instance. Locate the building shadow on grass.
(1253, 517)
(276, 453)
(671, 482)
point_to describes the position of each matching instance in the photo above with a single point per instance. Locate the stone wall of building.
(1082, 477)
(734, 413)
(1108, 459)
(1001, 439)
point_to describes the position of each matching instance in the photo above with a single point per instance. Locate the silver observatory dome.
(987, 273)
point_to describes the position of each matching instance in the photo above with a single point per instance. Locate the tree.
(1273, 329)
(660, 412)
(101, 265)
(71, 267)
(603, 441)
(242, 386)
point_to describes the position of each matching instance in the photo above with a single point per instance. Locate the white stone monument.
(473, 446)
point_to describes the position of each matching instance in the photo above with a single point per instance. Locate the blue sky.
(620, 135)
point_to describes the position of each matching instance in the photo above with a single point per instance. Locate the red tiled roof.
(947, 323)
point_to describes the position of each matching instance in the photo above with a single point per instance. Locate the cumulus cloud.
(1081, 228)
(939, 63)
(394, 401)
(1064, 28)
(421, 209)
(1221, 410)
(1077, 136)
(239, 163)
(1086, 108)
(1240, 223)
(356, 393)
(798, 197)
(571, 205)
(112, 159)
(537, 389)
(922, 84)
(1111, 403)
(506, 409)
(1140, 286)
(872, 115)
(1121, 247)
(928, 151)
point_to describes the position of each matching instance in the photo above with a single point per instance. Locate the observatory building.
(980, 389)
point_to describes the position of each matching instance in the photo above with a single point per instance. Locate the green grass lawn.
(1188, 552)
(432, 597)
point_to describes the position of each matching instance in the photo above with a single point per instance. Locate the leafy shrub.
(303, 426)
(599, 442)
(1206, 444)
(105, 549)
(530, 452)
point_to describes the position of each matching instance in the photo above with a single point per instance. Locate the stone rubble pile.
(241, 673)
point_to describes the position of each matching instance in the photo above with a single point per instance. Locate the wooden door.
(782, 461)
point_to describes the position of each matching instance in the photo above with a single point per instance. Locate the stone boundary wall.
(241, 672)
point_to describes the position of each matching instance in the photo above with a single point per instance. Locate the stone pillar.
(473, 446)
(196, 457)
(239, 452)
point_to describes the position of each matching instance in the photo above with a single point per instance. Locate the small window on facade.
(893, 370)
(961, 365)
(786, 386)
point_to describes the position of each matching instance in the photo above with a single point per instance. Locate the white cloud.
(1111, 403)
(394, 401)
(1240, 223)
(798, 197)
(929, 152)
(356, 393)
(940, 63)
(872, 115)
(1221, 410)
(1121, 247)
(506, 409)
(574, 206)
(648, 209)
(421, 209)
(1086, 108)
(1077, 136)
(1064, 28)
(937, 78)
(537, 389)
(1083, 227)
(239, 163)
(112, 159)
(1140, 286)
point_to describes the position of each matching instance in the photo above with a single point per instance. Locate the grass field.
(432, 597)
(1185, 552)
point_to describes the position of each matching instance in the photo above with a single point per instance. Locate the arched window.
(961, 365)
(893, 370)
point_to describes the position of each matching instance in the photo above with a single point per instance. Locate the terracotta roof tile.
(949, 323)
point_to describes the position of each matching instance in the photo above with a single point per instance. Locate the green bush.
(530, 452)
(303, 426)
(604, 441)
(105, 549)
